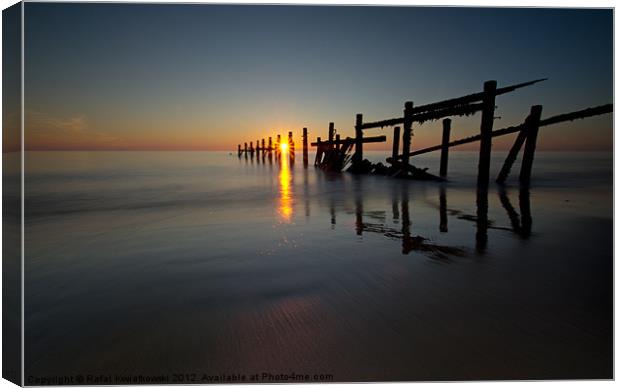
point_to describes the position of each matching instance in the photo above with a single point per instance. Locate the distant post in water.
(262, 145)
(305, 146)
(239, 150)
(245, 149)
(407, 124)
(486, 129)
(291, 147)
(445, 139)
(530, 145)
(358, 156)
(251, 150)
(395, 143)
(330, 137)
(257, 149)
(337, 144)
(278, 140)
(270, 150)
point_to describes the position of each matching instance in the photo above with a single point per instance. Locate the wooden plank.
(450, 103)
(348, 140)
(581, 114)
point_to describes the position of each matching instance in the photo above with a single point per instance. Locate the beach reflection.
(285, 205)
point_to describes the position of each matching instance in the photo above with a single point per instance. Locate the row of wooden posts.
(483, 102)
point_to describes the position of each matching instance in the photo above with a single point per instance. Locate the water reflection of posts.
(443, 209)
(306, 193)
(406, 225)
(359, 207)
(526, 215)
(482, 221)
(521, 225)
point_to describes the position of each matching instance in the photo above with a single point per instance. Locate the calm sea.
(196, 264)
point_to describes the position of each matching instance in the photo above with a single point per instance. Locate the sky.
(208, 77)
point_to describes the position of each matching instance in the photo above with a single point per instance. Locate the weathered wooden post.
(239, 150)
(251, 150)
(245, 149)
(330, 137)
(270, 150)
(277, 146)
(407, 123)
(486, 129)
(319, 152)
(358, 156)
(305, 146)
(395, 143)
(445, 139)
(262, 144)
(337, 145)
(535, 110)
(530, 145)
(257, 149)
(291, 147)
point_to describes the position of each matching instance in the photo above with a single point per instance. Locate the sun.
(283, 147)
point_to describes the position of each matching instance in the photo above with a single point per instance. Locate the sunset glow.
(285, 208)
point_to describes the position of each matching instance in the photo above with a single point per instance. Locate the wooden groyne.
(337, 154)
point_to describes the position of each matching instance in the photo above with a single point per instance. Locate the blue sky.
(153, 76)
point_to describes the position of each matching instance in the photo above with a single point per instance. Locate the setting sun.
(283, 147)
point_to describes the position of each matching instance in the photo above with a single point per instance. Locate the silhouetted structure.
(334, 154)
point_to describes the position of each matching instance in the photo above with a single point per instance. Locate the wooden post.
(445, 139)
(291, 147)
(262, 145)
(337, 145)
(257, 149)
(251, 150)
(270, 150)
(358, 156)
(407, 123)
(530, 145)
(239, 150)
(516, 147)
(305, 146)
(319, 152)
(330, 137)
(395, 143)
(245, 149)
(486, 129)
(277, 146)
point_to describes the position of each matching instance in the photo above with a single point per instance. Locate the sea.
(203, 267)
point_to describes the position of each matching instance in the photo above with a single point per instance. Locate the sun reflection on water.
(286, 198)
